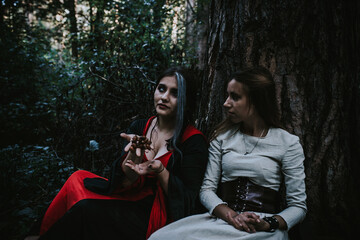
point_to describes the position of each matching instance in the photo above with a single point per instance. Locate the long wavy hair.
(259, 87)
(186, 96)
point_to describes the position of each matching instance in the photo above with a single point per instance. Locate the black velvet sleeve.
(105, 187)
(186, 176)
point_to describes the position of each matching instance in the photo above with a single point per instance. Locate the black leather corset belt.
(242, 195)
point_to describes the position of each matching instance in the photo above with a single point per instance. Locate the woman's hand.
(153, 166)
(246, 221)
(136, 149)
(265, 226)
(137, 145)
(262, 225)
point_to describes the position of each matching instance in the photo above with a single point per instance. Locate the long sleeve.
(294, 177)
(208, 196)
(186, 176)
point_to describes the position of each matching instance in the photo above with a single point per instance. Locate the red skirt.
(72, 192)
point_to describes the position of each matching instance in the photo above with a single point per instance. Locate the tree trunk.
(91, 17)
(2, 13)
(202, 28)
(312, 49)
(190, 23)
(98, 24)
(70, 4)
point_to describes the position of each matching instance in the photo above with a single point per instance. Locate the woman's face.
(237, 105)
(165, 97)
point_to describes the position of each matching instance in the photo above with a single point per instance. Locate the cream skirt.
(207, 227)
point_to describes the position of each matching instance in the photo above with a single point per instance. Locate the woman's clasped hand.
(247, 221)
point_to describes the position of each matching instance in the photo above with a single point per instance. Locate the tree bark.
(70, 4)
(190, 23)
(201, 31)
(98, 24)
(312, 49)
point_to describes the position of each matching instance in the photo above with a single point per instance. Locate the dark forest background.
(75, 73)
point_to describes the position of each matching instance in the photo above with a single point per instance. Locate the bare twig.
(106, 80)
(42, 189)
(145, 76)
(191, 7)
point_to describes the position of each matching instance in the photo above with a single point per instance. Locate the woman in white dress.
(250, 156)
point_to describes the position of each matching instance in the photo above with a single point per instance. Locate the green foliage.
(23, 71)
(30, 177)
(47, 92)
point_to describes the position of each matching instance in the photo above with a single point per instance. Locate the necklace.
(246, 152)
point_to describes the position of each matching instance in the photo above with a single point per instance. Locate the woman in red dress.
(151, 185)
